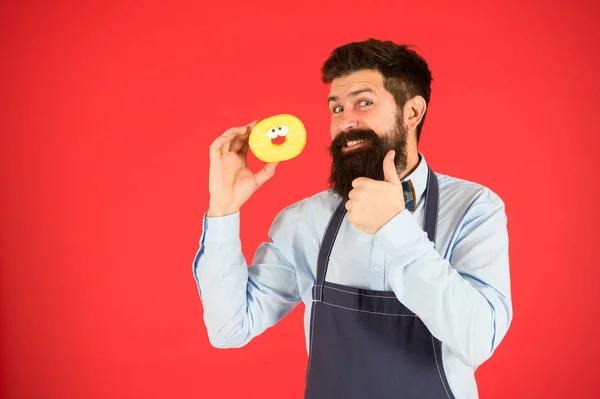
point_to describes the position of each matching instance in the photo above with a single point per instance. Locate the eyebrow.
(352, 94)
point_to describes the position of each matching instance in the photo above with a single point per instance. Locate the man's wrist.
(213, 213)
(218, 211)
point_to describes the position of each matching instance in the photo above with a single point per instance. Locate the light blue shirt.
(460, 289)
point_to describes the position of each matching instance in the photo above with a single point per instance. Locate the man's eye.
(365, 103)
(338, 109)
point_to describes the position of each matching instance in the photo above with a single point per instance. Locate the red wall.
(108, 110)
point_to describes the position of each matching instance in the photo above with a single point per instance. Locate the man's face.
(365, 125)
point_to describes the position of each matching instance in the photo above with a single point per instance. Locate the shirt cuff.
(221, 229)
(403, 238)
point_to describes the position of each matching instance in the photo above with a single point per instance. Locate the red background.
(108, 110)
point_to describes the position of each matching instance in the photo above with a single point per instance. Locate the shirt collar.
(418, 178)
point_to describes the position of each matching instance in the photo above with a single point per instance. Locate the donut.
(283, 125)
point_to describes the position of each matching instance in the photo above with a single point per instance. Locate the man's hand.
(373, 203)
(230, 182)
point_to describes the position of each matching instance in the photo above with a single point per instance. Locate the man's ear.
(414, 110)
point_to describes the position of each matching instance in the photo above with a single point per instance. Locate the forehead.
(364, 79)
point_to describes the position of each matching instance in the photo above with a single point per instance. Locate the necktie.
(409, 195)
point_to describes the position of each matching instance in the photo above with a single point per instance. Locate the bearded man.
(404, 271)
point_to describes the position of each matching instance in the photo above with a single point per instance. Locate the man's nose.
(347, 123)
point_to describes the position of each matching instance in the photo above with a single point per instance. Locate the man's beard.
(366, 161)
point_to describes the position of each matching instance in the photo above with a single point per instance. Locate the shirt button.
(377, 268)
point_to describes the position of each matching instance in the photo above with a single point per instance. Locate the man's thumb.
(390, 173)
(265, 173)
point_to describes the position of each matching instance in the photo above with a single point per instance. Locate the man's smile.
(354, 144)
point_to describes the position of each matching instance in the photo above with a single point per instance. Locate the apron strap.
(326, 246)
(431, 206)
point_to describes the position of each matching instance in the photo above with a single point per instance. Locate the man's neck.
(412, 162)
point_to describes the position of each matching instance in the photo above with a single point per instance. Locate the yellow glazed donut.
(283, 125)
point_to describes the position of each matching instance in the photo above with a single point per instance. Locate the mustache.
(358, 134)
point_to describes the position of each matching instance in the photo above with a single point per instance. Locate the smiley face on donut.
(285, 126)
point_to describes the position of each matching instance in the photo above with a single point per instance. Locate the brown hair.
(405, 73)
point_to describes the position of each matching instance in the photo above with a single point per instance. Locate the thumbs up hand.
(373, 203)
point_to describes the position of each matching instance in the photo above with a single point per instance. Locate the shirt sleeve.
(241, 302)
(464, 300)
